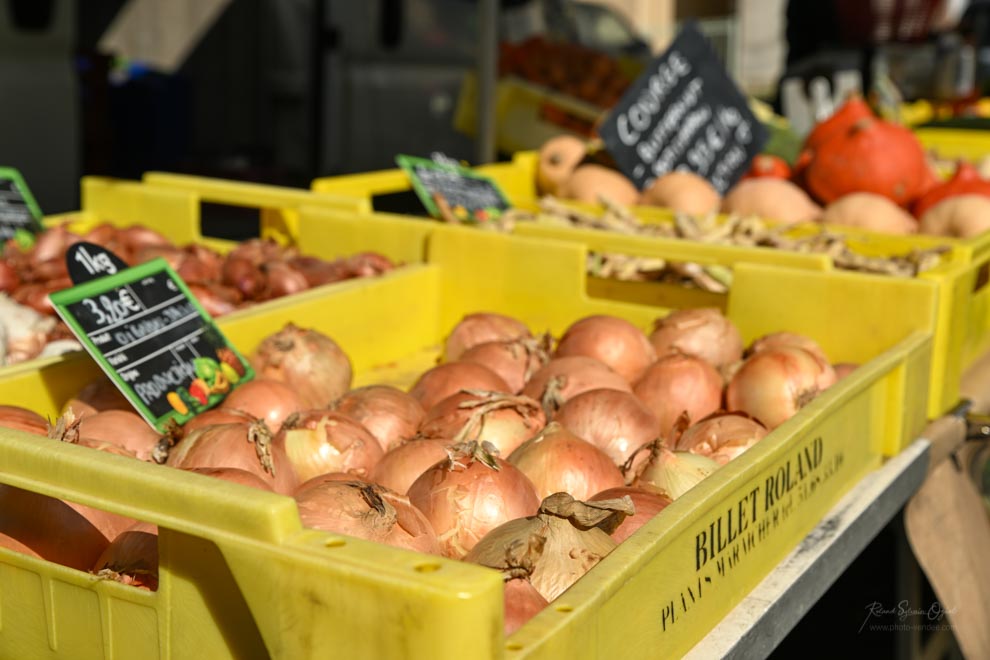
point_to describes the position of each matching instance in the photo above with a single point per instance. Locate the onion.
(616, 422)
(70, 534)
(9, 279)
(789, 339)
(243, 275)
(132, 557)
(775, 383)
(98, 396)
(479, 328)
(677, 385)
(561, 543)
(215, 416)
(22, 419)
(843, 369)
(281, 279)
(503, 420)
(470, 494)
(402, 465)
(646, 503)
(125, 429)
(216, 299)
(52, 243)
(613, 341)
(515, 360)
(137, 237)
(11, 543)
(319, 272)
(564, 378)
(721, 436)
(444, 380)
(672, 473)
(522, 603)
(558, 461)
(322, 441)
(233, 475)
(704, 333)
(321, 479)
(389, 414)
(308, 361)
(246, 446)
(265, 399)
(103, 445)
(368, 512)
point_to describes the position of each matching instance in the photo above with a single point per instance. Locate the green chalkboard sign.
(19, 212)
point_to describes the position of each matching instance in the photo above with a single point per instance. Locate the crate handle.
(172, 498)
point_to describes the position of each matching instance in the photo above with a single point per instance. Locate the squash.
(771, 198)
(965, 181)
(587, 182)
(684, 192)
(871, 212)
(557, 159)
(872, 156)
(850, 112)
(959, 216)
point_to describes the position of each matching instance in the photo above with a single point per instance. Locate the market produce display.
(254, 271)
(855, 169)
(539, 472)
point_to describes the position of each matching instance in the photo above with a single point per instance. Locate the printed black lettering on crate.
(684, 113)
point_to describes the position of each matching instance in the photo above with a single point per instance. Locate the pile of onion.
(703, 332)
(563, 378)
(389, 414)
(318, 442)
(470, 494)
(479, 328)
(514, 360)
(615, 342)
(448, 379)
(503, 420)
(616, 422)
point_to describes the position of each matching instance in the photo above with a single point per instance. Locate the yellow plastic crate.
(240, 578)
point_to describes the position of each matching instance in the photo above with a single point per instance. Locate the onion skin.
(234, 475)
(557, 461)
(843, 369)
(647, 505)
(613, 341)
(22, 419)
(308, 361)
(216, 416)
(504, 421)
(11, 543)
(679, 384)
(281, 279)
(576, 374)
(616, 422)
(514, 361)
(479, 328)
(125, 429)
(316, 482)
(69, 534)
(404, 464)
(9, 279)
(673, 473)
(368, 512)
(215, 299)
(775, 383)
(704, 333)
(237, 446)
(721, 437)
(322, 441)
(132, 557)
(445, 380)
(464, 498)
(791, 339)
(98, 396)
(389, 414)
(265, 399)
(522, 603)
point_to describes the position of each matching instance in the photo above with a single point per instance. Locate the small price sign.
(684, 113)
(19, 213)
(151, 337)
(447, 189)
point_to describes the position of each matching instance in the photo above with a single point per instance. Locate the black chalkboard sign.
(18, 210)
(89, 261)
(449, 188)
(684, 113)
(155, 341)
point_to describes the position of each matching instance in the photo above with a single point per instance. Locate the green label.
(19, 213)
(155, 341)
(448, 189)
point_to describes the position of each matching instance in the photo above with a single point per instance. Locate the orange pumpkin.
(768, 166)
(965, 181)
(850, 112)
(872, 156)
